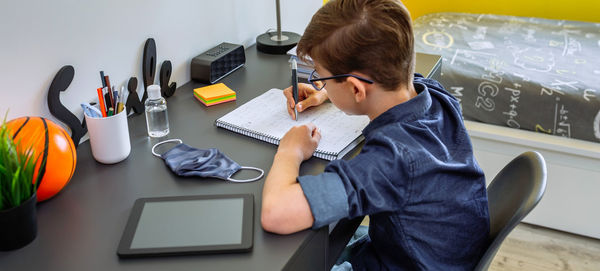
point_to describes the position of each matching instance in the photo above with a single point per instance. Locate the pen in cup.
(111, 100)
(102, 79)
(115, 98)
(121, 105)
(107, 102)
(106, 99)
(110, 94)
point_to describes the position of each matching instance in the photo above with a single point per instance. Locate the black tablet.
(189, 225)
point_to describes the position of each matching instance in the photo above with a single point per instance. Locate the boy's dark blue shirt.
(418, 181)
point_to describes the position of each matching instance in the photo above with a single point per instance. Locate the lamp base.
(269, 42)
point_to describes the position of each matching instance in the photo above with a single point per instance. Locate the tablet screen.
(189, 223)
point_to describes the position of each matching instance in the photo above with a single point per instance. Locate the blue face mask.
(184, 160)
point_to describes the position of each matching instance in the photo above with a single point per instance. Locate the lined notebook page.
(265, 117)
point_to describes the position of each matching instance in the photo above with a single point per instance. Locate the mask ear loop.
(163, 142)
(248, 180)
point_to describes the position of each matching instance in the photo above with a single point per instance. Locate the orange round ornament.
(51, 144)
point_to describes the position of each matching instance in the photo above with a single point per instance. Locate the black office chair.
(513, 193)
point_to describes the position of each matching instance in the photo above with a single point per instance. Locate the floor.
(532, 248)
(529, 247)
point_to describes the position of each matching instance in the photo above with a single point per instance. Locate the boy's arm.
(285, 209)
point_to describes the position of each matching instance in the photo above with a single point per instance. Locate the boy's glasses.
(314, 77)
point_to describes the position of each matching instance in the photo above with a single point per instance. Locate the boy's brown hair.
(370, 36)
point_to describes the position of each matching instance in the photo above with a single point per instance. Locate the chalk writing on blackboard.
(589, 93)
(558, 84)
(534, 59)
(512, 113)
(562, 126)
(480, 33)
(457, 93)
(438, 39)
(474, 55)
(540, 129)
(550, 91)
(597, 125)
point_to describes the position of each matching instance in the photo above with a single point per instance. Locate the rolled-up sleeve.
(326, 196)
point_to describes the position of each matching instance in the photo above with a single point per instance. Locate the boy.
(415, 176)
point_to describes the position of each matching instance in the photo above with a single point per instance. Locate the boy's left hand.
(300, 141)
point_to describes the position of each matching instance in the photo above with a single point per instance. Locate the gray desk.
(81, 227)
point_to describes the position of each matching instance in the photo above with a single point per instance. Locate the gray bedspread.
(527, 73)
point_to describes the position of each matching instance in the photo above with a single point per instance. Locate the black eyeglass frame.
(312, 80)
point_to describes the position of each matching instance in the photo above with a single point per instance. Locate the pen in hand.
(295, 85)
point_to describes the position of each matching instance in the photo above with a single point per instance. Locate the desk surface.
(81, 227)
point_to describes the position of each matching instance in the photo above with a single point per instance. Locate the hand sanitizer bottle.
(157, 120)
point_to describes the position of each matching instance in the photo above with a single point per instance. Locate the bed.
(526, 83)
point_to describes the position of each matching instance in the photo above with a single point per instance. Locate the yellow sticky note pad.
(214, 94)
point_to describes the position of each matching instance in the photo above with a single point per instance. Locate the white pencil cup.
(109, 137)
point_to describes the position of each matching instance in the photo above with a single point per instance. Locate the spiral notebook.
(266, 118)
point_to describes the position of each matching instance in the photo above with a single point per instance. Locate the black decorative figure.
(133, 100)
(61, 82)
(164, 77)
(148, 66)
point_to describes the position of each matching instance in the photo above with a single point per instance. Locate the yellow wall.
(578, 10)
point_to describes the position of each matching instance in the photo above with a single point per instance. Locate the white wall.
(38, 37)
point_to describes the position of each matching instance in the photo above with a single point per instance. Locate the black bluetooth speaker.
(216, 63)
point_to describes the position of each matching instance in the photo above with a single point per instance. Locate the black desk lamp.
(277, 42)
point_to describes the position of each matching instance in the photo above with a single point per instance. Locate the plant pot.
(18, 225)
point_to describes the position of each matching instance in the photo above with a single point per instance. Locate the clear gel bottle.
(157, 120)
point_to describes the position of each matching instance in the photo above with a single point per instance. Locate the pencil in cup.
(101, 102)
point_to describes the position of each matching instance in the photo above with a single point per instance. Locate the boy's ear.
(359, 89)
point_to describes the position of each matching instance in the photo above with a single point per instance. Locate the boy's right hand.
(307, 95)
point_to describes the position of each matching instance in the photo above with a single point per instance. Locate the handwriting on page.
(267, 114)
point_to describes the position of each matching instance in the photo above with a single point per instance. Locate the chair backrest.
(513, 193)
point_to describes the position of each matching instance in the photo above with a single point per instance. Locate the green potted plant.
(18, 220)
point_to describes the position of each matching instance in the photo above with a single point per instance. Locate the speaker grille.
(227, 64)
